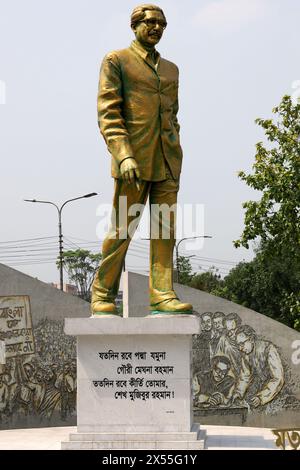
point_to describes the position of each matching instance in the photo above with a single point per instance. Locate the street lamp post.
(60, 234)
(177, 251)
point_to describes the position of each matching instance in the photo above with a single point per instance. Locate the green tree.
(271, 282)
(184, 270)
(266, 284)
(81, 266)
(274, 219)
(208, 281)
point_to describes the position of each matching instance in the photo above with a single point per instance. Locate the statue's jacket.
(137, 112)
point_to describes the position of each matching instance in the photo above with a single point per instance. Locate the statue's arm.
(176, 107)
(276, 381)
(110, 119)
(175, 111)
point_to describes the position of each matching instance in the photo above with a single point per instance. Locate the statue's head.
(232, 321)
(206, 321)
(148, 23)
(218, 321)
(220, 367)
(245, 338)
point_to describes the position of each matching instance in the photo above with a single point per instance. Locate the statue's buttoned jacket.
(137, 109)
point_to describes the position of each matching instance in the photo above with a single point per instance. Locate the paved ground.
(34, 439)
(218, 437)
(239, 438)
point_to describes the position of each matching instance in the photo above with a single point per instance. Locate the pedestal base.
(134, 383)
(194, 440)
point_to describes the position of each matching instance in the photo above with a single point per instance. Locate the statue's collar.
(154, 55)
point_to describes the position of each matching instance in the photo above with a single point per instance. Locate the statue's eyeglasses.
(151, 23)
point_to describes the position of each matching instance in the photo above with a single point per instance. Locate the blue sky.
(237, 58)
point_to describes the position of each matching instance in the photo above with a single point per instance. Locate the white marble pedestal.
(134, 383)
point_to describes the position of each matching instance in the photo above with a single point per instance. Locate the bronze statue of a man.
(137, 116)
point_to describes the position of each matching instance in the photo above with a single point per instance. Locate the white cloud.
(230, 15)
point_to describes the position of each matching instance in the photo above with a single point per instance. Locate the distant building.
(119, 298)
(68, 288)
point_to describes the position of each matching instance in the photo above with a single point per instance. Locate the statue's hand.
(255, 402)
(130, 171)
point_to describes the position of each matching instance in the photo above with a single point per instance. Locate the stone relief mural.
(38, 378)
(237, 371)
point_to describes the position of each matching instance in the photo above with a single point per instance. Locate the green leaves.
(276, 173)
(81, 266)
(269, 285)
(208, 281)
(184, 270)
(274, 220)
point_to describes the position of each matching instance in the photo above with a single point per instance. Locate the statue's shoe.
(102, 308)
(172, 306)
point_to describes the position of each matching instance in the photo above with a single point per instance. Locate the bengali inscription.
(16, 326)
(287, 438)
(142, 376)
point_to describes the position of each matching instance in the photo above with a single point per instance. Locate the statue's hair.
(219, 315)
(138, 13)
(206, 314)
(235, 317)
(247, 331)
(224, 359)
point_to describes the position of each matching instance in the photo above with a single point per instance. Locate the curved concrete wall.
(38, 378)
(246, 366)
